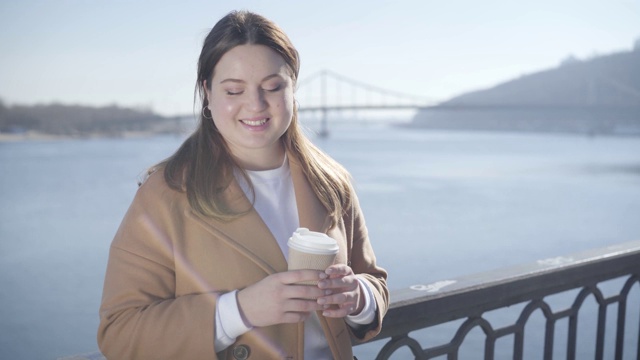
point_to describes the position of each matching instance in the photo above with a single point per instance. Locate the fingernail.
(323, 276)
(325, 313)
(321, 301)
(328, 292)
(326, 306)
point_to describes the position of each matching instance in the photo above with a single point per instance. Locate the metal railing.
(470, 299)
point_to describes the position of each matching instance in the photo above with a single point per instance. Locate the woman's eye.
(234, 92)
(273, 89)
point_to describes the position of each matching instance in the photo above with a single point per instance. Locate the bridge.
(327, 91)
(609, 107)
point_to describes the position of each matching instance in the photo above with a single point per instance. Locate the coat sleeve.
(363, 262)
(140, 316)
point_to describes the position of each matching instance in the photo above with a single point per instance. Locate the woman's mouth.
(255, 122)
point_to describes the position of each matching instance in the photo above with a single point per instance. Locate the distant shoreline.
(39, 136)
(28, 136)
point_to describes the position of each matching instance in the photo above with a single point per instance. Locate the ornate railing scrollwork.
(398, 342)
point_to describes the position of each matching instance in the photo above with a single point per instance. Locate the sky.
(143, 53)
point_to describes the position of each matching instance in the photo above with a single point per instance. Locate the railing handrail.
(412, 309)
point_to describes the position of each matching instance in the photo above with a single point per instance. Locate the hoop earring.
(204, 115)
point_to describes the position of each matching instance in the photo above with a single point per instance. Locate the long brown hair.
(203, 165)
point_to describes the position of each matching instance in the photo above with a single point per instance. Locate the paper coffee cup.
(311, 250)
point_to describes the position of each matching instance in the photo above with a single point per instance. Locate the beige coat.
(168, 265)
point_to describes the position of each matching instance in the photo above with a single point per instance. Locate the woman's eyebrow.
(242, 81)
(231, 80)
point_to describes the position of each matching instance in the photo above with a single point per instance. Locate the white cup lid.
(313, 242)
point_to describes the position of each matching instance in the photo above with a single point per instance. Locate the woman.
(197, 269)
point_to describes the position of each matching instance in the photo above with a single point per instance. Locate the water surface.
(438, 205)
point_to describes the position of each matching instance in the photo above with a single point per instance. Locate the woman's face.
(251, 102)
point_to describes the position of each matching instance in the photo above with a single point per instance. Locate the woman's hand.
(342, 293)
(277, 298)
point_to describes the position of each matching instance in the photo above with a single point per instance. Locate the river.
(438, 205)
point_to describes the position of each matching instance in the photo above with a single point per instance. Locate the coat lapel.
(311, 213)
(248, 234)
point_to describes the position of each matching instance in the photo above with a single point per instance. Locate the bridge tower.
(324, 126)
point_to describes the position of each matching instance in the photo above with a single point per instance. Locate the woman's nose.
(256, 101)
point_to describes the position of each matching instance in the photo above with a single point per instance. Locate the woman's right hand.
(277, 298)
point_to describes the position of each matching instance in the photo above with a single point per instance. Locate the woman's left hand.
(342, 292)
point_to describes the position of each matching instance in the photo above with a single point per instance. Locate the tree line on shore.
(77, 120)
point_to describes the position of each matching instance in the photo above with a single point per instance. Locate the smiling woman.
(199, 266)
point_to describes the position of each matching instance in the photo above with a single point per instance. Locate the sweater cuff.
(368, 313)
(229, 324)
